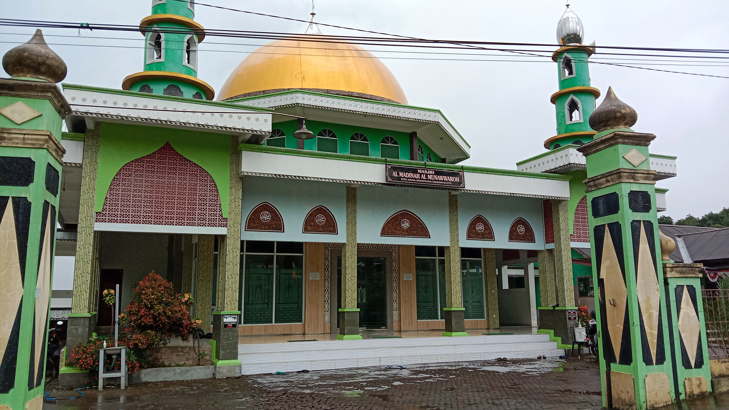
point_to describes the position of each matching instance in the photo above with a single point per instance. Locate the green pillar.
(635, 351)
(227, 315)
(492, 287)
(454, 311)
(688, 328)
(31, 157)
(348, 314)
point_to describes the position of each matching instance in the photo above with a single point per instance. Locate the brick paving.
(525, 384)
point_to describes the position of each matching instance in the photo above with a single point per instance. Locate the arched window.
(389, 148)
(191, 5)
(190, 56)
(326, 140)
(359, 144)
(568, 67)
(573, 110)
(277, 139)
(197, 95)
(155, 47)
(145, 88)
(173, 90)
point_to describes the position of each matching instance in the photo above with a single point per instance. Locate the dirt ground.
(514, 384)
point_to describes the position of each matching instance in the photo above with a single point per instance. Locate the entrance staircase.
(335, 354)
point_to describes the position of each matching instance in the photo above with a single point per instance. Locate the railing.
(716, 316)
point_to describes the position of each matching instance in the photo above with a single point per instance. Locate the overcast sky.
(501, 108)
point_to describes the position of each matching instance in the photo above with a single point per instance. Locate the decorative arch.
(264, 217)
(521, 231)
(479, 229)
(163, 188)
(568, 67)
(320, 220)
(405, 224)
(573, 110)
(580, 224)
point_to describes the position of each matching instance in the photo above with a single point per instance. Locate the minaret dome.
(569, 28)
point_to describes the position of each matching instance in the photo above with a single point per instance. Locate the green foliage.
(665, 219)
(712, 219)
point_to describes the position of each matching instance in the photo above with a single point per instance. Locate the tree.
(713, 219)
(688, 220)
(665, 219)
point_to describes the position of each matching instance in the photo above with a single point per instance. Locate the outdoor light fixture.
(303, 133)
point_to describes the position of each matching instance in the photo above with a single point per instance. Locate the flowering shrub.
(156, 307)
(86, 356)
(109, 296)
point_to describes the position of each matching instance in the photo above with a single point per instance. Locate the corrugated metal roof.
(675, 231)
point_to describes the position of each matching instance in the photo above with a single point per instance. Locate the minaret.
(170, 52)
(575, 100)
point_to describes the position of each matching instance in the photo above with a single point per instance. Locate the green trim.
(213, 351)
(663, 156)
(227, 312)
(349, 337)
(454, 334)
(82, 314)
(165, 97)
(453, 309)
(662, 190)
(557, 308)
(348, 310)
(359, 158)
(562, 148)
(71, 370)
(340, 97)
(553, 338)
(73, 136)
(221, 363)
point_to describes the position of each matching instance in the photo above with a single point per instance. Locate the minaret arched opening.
(568, 67)
(155, 49)
(190, 56)
(574, 110)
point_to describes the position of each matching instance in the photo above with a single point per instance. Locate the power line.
(339, 39)
(502, 60)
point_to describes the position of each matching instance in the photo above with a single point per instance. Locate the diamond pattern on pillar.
(19, 112)
(43, 287)
(11, 291)
(634, 157)
(648, 291)
(615, 293)
(689, 326)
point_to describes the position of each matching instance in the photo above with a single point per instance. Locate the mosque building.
(309, 199)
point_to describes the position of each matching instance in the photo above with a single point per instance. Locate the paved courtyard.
(523, 384)
(513, 384)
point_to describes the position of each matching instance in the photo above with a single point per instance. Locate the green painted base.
(349, 337)
(227, 363)
(453, 309)
(557, 308)
(348, 310)
(70, 370)
(451, 334)
(553, 338)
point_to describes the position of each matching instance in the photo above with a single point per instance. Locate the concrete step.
(291, 357)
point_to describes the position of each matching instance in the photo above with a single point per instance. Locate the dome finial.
(569, 27)
(612, 113)
(312, 28)
(34, 59)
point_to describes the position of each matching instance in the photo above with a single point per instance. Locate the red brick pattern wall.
(580, 226)
(548, 222)
(163, 188)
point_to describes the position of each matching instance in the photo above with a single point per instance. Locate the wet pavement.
(513, 384)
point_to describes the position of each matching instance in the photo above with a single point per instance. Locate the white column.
(505, 277)
(531, 283)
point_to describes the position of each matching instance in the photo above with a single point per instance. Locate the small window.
(155, 47)
(190, 56)
(191, 5)
(145, 88)
(197, 95)
(359, 144)
(574, 110)
(568, 67)
(277, 139)
(173, 90)
(326, 140)
(389, 148)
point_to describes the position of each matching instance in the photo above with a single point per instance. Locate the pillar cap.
(34, 59)
(612, 113)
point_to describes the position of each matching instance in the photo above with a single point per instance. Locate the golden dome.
(335, 68)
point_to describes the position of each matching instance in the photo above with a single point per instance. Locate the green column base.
(451, 334)
(226, 337)
(349, 324)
